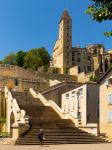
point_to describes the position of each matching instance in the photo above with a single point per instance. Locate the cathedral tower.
(63, 46)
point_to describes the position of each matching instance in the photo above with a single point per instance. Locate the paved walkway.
(60, 147)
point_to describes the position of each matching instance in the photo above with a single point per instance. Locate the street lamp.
(78, 94)
(26, 90)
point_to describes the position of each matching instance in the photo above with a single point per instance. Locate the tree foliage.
(20, 55)
(33, 59)
(36, 58)
(10, 59)
(101, 10)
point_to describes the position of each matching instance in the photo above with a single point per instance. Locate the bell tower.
(62, 50)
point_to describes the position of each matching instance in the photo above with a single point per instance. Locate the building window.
(67, 34)
(67, 96)
(73, 94)
(78, 53)
(108, 82)
(89, 68)
(79, 70)
(110, 99)
(73, 63)
(67, 47)
(67, 40)
(78, 59)
(73, 59)
(73, 54)
(110, 116)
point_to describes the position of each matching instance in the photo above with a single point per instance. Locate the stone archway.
(12, 120)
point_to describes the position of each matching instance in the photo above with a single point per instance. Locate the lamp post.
(26, 100)
(78, 94)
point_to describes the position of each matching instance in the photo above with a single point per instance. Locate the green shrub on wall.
(2, 120)
(55, 70)
(4, 134)
(94, 79)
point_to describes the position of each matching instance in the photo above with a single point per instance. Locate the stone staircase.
(57, 130)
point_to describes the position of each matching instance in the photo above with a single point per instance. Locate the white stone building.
(83, 102)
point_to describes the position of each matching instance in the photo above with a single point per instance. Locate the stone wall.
(24, 83)
(73, 70)
(53, 76)
(15, 71)
(81, 77)
(29, 79)
(54, 92)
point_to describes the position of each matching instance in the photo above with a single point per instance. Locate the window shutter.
(109, 99)
(106, 82)
(110, 116)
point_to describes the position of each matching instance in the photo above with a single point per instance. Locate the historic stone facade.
(63, 46)
(92, 58)
(105, 104)
(20, 79)
(83, 102)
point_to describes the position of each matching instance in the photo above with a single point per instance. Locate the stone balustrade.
(14, 116)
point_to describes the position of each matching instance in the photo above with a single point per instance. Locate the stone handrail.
(12, 106)
(58, 109)
(16, 105)
(54, 82)
(73, 117)
(40, 96)
(90, 128)
(33, 93)
(49, 103)
(53, 87)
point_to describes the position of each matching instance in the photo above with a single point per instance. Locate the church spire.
(65, 15)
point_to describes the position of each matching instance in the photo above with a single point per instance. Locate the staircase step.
(57, 130)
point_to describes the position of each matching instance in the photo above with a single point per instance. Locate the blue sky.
(26, 24)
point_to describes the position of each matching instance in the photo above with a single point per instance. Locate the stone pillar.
(2, 103)
(15, 130)
(76, 106)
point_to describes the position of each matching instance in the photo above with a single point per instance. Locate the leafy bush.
(94, 79)
(4, 134)
(2, 120)
(55, 70)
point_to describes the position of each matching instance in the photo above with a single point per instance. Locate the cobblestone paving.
(60, 147)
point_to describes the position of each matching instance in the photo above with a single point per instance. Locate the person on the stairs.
(41, 135)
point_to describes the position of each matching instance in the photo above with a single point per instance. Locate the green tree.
(44, 55)
(36, 58)
(10, 59)
(20, 56)
(101, 10)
